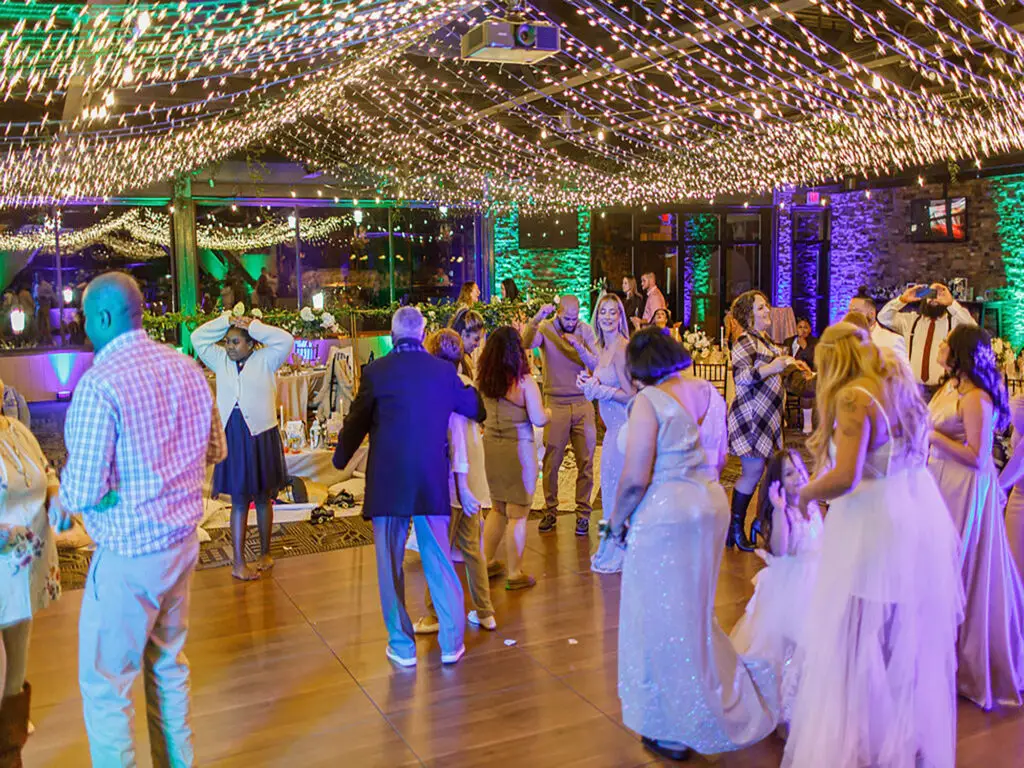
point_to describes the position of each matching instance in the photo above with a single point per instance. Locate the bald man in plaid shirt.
(140, 431)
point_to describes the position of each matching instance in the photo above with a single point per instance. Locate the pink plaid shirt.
(139, 432)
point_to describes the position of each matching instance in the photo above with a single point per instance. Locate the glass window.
(656, 227)
(744, 227)
(611, 248)
(28, 271)
(606, 227)
(663, 261)
(434, 253)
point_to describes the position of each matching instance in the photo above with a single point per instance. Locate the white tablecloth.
(317, 466)
(294, 391)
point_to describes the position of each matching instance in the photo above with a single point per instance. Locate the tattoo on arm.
(851, 414)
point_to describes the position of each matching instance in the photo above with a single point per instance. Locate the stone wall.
(869, 244)
(561, 270)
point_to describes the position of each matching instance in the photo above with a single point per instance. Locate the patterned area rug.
(287, 540)
(302, 537)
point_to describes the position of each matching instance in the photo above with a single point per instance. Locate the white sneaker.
(487, 622)
(426, 626)
(402, 661)
(452, 658)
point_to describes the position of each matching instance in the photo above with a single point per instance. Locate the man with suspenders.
(925, 329)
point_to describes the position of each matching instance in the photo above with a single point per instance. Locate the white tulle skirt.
(878, 656)
(776, 617)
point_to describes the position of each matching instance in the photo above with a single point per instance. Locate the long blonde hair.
(621, 329)
(845, 353)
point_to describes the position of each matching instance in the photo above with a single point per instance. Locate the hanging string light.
(646, 103)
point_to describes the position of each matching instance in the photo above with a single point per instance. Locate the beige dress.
(29, 573)
(990, 648)
(510, 458)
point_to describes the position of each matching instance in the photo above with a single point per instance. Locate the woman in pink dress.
(966, 412)
(1012, 481)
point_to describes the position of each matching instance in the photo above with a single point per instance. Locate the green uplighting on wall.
(561, 270)
(1008, 198)
(698, 228)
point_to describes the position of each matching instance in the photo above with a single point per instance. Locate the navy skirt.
(254, 466)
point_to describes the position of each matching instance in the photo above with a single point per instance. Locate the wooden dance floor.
(291, 672)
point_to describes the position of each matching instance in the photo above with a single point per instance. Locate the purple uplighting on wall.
(783, 245)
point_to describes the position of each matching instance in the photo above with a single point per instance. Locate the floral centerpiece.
(309, 323)
(697, 343)
(1003, 353)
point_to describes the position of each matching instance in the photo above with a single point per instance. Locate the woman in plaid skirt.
(755, 416)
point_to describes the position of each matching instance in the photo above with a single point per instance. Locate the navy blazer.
(404, 401)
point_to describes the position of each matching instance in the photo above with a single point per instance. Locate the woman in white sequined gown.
(681, 683)
(878, 657)
(612, 388)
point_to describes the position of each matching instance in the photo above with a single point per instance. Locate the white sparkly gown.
(680, 678)
(878, 656)
(776, 615)
(609, 554)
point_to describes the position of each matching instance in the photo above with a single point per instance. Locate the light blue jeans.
(135, 618)
(389, 537)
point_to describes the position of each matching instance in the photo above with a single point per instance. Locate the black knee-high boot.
(737, 535)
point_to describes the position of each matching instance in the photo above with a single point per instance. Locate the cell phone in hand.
(924, 292)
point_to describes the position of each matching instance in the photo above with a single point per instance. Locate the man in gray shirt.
(567, 347)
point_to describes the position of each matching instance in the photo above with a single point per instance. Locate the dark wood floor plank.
(291, 672)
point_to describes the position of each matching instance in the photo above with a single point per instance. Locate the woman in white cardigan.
(254, 471)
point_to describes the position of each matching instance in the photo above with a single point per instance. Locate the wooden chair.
(792, 416)
(716, 373)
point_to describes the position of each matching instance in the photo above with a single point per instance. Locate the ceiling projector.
(510, 41)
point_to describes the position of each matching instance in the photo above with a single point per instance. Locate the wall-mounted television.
(556, 231)
(938, 221)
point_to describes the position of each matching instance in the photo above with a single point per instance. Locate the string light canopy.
(141, 233)
(648, 102)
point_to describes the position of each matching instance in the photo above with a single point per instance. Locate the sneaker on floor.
(426, 626)
(582, 526)
(452, 658)
(520, 582)
(402, 661)
(548, 522)
(487, 622)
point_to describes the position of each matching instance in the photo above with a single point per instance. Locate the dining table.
(294, 390)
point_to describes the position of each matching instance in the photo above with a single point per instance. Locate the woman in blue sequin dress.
(681, 683)
(612, 388)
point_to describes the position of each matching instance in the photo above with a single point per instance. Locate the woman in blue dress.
(612, 388)
(681, 683)
(245, 354)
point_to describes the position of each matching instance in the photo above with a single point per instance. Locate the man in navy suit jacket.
(403, 404)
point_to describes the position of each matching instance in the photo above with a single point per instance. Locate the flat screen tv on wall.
(556, 230)
(938, 221)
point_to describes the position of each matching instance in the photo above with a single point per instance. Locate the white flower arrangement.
(697, 342)
(327, 321)
(256, 313)
(1003, 353)
(307, 315)
(238, 310)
